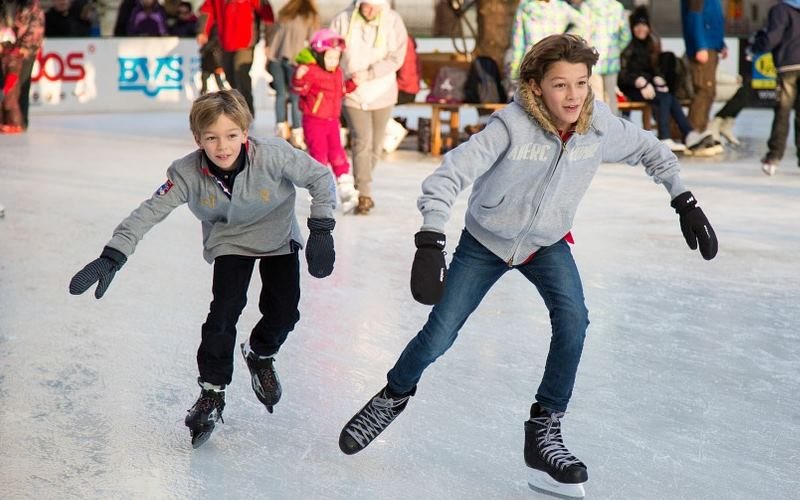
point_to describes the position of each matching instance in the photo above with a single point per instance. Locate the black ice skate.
(373, 418)
(204, 414)
(263, 377)
(554, 470)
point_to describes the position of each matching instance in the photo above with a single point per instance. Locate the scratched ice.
(688, 386)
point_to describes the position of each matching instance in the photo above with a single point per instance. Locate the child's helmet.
(326, 39)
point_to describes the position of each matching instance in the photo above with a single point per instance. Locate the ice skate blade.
(200, 437)
(541, 482)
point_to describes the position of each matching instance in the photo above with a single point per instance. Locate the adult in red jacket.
(237, 23)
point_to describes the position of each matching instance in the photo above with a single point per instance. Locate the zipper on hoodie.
(540, 196)
(317, 103)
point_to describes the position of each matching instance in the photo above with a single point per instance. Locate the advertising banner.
(124, 74)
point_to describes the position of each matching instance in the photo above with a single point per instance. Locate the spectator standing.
(185, 25)
(123, 15)
(376, 38)
(609, 34)
(408, 76)
(297, 21)
(148, 18)
(211, 63)
(19, 54)
(781, 36)
(63, 20)
(703, 34)
(640, 80)
(536, 19)
(238, 26)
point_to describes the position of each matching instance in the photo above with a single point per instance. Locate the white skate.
(348, 194)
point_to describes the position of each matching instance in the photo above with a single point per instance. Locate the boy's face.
(331, 58)
(222, 141)
(563, 90)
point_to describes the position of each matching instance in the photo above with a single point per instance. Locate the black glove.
(428, 272)
(101, 269)
(695, 226)
(319, 249)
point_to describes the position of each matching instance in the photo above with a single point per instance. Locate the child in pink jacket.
(320, 84)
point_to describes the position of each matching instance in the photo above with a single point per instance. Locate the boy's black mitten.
(319, 249)
(101, 269)
(695, 226)
(428, 272)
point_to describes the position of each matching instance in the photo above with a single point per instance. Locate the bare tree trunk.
(495, 20)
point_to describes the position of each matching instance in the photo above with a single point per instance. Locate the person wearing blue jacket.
(529, 169)
(703, 33)
(781, 36)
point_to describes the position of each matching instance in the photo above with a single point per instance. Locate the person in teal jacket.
(529, 168)
(243, 192)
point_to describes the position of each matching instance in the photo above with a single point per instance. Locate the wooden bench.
(453, 120)
(646, 109)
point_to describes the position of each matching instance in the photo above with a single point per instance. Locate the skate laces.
(551, 444)
(209, 401)
(265, 371)
(375, 417)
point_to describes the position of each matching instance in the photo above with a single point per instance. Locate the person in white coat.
(376, 39)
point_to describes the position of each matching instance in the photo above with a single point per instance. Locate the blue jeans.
(666, 106)
(472, 273)
(282, 73)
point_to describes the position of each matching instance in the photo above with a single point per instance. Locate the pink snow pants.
(325, 144)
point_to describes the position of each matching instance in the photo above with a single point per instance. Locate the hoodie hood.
(535, 107)
(795, 4)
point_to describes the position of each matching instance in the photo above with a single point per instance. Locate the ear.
(197, 141)
(244, 136)
(537, 90)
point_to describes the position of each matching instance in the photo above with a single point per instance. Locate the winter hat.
(639, 16)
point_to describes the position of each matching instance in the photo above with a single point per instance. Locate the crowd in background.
(631, 66)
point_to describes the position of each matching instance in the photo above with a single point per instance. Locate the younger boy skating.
(243, 192)
(529, 167)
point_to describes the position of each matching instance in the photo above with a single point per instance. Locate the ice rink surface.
(689, 387)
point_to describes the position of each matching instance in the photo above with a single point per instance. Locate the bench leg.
(455, 126)
(647, 117)
(436, 131)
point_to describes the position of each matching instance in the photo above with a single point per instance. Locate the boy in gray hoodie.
(530, 167)
(243, 192)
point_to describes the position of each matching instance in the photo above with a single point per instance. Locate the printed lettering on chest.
(530, 151)
(210, 201)
(583, 152)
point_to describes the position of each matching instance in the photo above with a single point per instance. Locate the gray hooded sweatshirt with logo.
(257, 219)
(527, 183)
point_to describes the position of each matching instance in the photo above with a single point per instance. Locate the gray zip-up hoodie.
(527, 183)
(257, 220)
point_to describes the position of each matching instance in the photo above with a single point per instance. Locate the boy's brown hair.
(207, 108)
(551, 49)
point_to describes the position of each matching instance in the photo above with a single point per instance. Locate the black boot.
(204, 414)
(372, 419)
(263, 377)
(545, 453)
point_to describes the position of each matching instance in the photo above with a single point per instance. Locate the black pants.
(237, 66)
(787, 102)
(280, 294)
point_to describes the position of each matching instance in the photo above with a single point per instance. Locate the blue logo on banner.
(150, 76)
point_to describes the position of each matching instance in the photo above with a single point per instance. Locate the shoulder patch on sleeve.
(164, 189)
